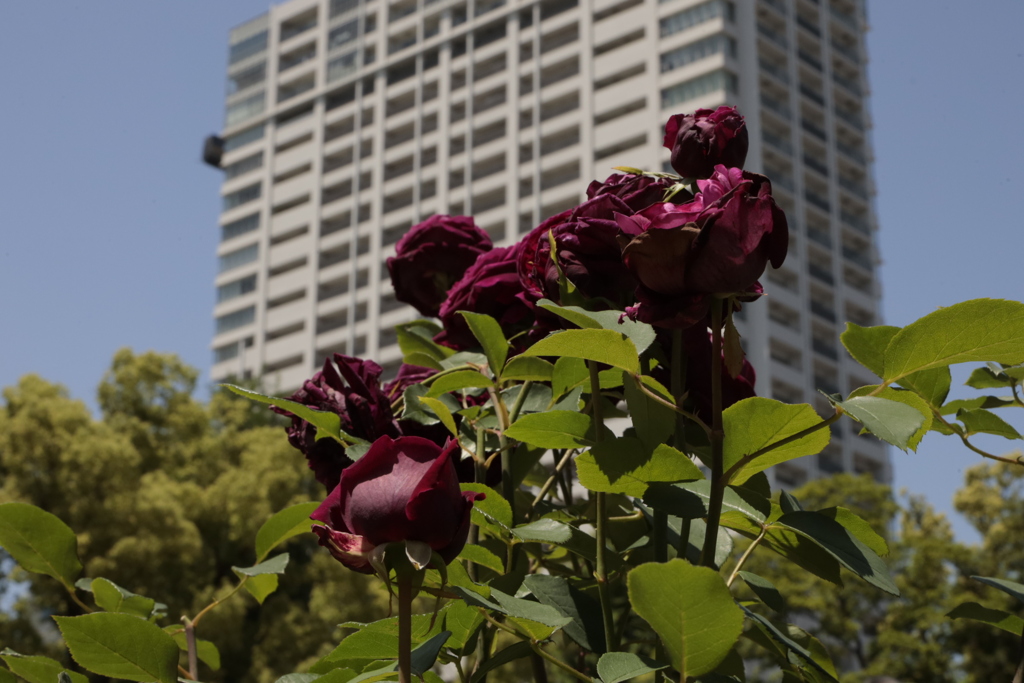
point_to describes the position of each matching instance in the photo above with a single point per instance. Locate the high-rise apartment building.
(348, 121)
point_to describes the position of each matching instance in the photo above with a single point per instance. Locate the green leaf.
(206, 651)
(615, 667)
(416, 340)
(986, 402)
(463, 621)
(867, 344)
(112, 598)
(585, 612)
(298, 678)
(754, 424)
(488, 332)
(35, 668)
(624, 465)
(932, 385)
(603, 346)
(978, 330)
(642, 334)
(543, 531)
(528, 368)
(787, 642)
(795, 547)
(554, 429)
(654, 422)
(1011, 588)
(121, 646)
(1010, 623)
(987, 378)
(691, 609)
(423, 657)
(981, 421)
(844, 546)
(908, 398)
(502, 657)
(483, 557)
(460, 379)
(892, 421)
(441, 410)
(39, 542)
(765, 591)
(493, 509)
(859, 528)
(514, 607)
(7, 677)
(685, 499)
(274, 565)
(287, 523)
(327, 424)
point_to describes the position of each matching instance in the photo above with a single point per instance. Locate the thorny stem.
(600, 571)
(746, 554)
(190, 641)
(508, 489)
(405, 628)
(707, 556)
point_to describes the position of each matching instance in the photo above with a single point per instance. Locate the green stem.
(671, 406)
(190, 641)
(746, 554)
(540, 674)
(554, 477)
(520, 399)
(707, 556)
(600, 570)
(404, 628)
(508, 489)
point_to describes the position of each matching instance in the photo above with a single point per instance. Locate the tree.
(166, 495)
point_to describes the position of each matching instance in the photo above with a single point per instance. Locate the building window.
(226, 352)
(696, 87)
(701, 49)
(244, 138)
(342, 6)
(343, 34)
(243, 196)
(688, 18)
(246, 78)
(248, 47)
(239, 227)
(245, 109)
(242, 166)
(239, 257)
(232, 321)
(236, 289)
(342, 66)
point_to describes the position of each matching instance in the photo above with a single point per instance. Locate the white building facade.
(349, 121)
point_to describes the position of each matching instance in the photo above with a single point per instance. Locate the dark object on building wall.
(213, 150)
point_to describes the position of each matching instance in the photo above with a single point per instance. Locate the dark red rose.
(704, 139)
(403, 489)
(432, 257)
(717, 245)
(588, 253)
(636, 191)
(491, 286)
(408, 375)
(352, 390)
(697, 343)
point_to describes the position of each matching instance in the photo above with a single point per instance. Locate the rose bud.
(356, 397)
(432, 257)
(491, 286)
(704, 139)
(403, 489)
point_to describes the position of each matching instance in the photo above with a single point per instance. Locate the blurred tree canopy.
(910, 638)
(166, 494)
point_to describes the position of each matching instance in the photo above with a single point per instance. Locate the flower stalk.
(405, 595)
(601, 521)
(707, 556)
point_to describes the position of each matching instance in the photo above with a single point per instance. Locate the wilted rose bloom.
(717, 245)
(704, 139)
(697, 343)
(490, 286)
(636, 191)
(589, 254)
(355, 395)
(432, 257)
(403, 489)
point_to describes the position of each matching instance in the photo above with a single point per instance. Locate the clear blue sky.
(108, 219)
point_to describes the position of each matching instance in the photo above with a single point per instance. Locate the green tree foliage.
(166, 494)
